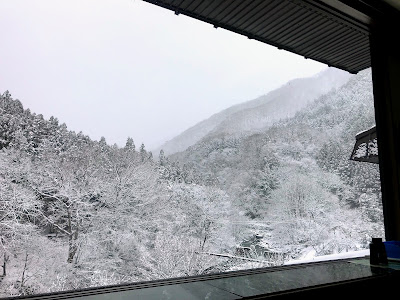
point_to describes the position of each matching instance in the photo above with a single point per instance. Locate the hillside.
(297, 174)
(77, 213)
(251, 116)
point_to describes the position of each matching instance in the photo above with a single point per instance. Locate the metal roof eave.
(312, 29)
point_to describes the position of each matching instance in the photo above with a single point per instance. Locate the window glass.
(135, 145)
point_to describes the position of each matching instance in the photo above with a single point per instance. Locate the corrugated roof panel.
(347, 53)
(305, 27)
(228, 10)
(271, 18)
(266, 12)
(207, 8)
(186, 3)
(326, 48)
(260, 16)
(235, 14)
(299, 19)
(313, 38)
(174, 2)
(320, 27)
(219, 9)
(345, 50)
(364, 65)
(356, 58)
(333, 54)
(283, 23)
(193, 5)
(325, 42)
(245, 13)
(252, 15)
(302, 25)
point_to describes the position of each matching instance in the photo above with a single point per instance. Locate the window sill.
(310, 279)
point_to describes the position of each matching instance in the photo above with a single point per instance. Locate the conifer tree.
(161, 158)
(143, 153)
(130, 145)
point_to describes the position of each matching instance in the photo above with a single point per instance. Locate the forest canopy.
(76, 213)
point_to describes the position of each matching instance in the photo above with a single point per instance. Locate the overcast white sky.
(119, 68)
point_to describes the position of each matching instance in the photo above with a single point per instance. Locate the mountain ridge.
(256, 114)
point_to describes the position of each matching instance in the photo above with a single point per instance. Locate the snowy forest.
(78, 213)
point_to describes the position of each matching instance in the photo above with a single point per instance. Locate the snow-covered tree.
(130, 145)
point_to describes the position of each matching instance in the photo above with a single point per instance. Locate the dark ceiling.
(312, 29)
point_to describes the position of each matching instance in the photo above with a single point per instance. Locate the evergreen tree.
(103, 141)
(130, 145)
(161, 158)
(103, 144)
(143, 153)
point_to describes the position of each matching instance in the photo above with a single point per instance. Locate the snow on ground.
(310, 257)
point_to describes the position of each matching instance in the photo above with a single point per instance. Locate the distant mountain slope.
(297, 174)
(331, 121)
(254, 115)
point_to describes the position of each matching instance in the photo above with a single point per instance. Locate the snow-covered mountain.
(297, 174)
(288, 188)
(254, 115)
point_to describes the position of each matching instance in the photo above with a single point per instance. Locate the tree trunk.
(72, 238)
(71, 249)
(72, 246)
(4, 265)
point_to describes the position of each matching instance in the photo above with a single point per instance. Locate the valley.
(259, 184)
